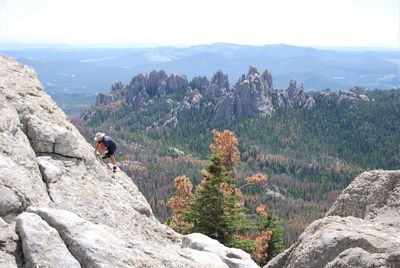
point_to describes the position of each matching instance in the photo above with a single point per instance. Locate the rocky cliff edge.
(62, 207)
(362, 228)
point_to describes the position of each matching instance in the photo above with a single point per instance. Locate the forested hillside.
(310, 153)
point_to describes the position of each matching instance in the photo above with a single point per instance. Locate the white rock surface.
(374, 196)
(357, 257)
(38, 237)
(20, 180)
(98, 245)
(10, 254)
(360, 230)
(232, 257)
(47, 165)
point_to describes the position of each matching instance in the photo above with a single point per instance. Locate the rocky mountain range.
(253, 95)
(60, 206)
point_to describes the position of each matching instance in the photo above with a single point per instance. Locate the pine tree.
(269, 242)
(276, 245)
(215, 211)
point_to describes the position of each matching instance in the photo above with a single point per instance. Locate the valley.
(310, 144)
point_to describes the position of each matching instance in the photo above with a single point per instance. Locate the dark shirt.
(109, 143)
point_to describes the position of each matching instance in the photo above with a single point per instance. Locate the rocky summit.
(60, 206)
(362, 228)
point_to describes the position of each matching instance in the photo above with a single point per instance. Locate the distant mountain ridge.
(96, 68)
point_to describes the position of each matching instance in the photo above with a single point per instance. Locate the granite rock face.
(61, 205)
(219, 86)
(21, 183)
(362, 229)
(373, 196)
(10, 248)
(252, 96)
(38, 237)
(99, 245)
(191, 104)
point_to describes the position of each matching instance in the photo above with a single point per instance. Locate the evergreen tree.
(215, 211)
(276, 245)
(269, 240)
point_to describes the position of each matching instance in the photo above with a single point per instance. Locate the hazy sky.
(367, 23)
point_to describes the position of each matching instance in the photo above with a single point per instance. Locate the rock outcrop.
(348, 98)
(61, 206)
(219, 86)
(296, 97)
(362, 228)
(252, 96)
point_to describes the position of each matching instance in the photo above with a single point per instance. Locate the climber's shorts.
(110, 152)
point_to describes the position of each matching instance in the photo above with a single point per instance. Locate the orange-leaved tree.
(261, 210)
(227, 144)
(255, 179)
(180, 205)
(260, 250)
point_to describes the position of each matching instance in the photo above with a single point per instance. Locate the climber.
(106, 148)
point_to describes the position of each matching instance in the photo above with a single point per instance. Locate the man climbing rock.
(106, 147)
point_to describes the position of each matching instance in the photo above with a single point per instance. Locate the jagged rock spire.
(267, 77)
(252, 71)
(220, 80)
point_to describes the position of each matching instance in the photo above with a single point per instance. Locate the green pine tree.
(276, 245)
(215, 211)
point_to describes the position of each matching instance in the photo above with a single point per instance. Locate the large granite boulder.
(362, 229)
(232, 257)
(38, 237)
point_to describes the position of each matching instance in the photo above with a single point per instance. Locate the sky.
(323, 23)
